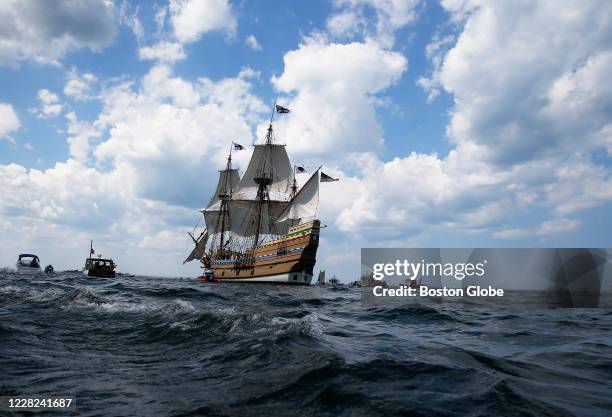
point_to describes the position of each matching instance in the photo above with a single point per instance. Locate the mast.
(261, 194)
(294, 186)
(224, 197)
(217, 214)
(262, 180)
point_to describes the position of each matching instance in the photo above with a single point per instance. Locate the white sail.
(248, 211)
(244, 217)
(213, 219)
(241, 217)
(271, 161)
(199, 249)
(228, 182)
(305, 202)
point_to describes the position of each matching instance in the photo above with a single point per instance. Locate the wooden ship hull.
(287, 260)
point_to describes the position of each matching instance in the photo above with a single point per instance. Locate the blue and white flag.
(281, 109)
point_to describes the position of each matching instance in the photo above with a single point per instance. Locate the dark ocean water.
(174, 347)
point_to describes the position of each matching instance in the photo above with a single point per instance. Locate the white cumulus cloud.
(524, 127)
(163, 51)
(46, 30)
(557, 226)
(192, 18)
(173, 125)
(251, 42)
(80, 134)
(136, 174)
(8, 121)
(79, 85)
(352, 17)
(330, 88)
(532, 98)
(517, 233)
(49, 102)
(544, 88)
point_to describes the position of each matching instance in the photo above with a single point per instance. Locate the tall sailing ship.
(261, 227)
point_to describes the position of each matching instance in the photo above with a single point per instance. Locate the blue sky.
(452, 123)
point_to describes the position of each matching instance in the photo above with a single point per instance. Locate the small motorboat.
(49, 269)
(28, 263)
(207, 277)
(333, 281)
(99, 267)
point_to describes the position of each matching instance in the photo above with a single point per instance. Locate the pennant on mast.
(327, 178)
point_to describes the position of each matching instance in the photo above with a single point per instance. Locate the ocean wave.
(176, 347)
(421, 314)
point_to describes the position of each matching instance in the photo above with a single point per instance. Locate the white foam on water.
(187, 305)
(308, 324)
(122, 307)
(28, 294)
(258, 324)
